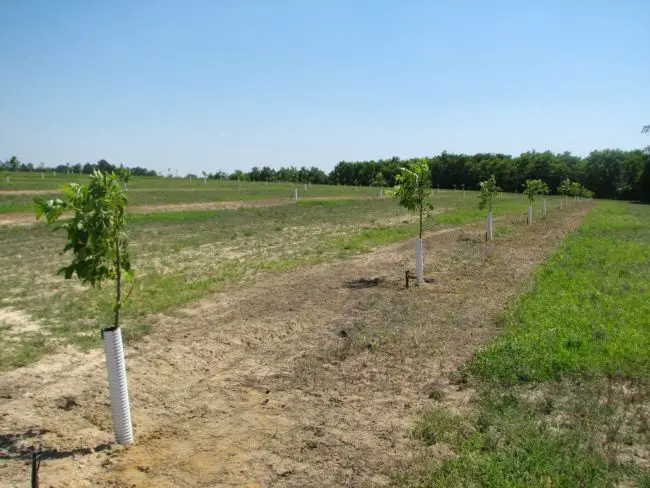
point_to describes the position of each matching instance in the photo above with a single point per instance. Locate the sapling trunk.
(118, 283)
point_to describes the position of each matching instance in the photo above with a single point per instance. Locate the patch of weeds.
(503, 230)
(28, 349)
(437, 426)
(436, 393)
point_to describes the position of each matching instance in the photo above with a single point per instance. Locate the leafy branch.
(488, 192)
(413, 187)
(532, 188)
(95, 232)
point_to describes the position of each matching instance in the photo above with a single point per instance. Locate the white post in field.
(530, 215)
(544, 209)
(381, 192)
(295, 194)
(42, 176)
(419, 261)
(305, 186)
(489, 231)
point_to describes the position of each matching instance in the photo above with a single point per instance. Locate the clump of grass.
(26, 350)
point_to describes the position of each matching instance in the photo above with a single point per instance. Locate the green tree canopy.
(95, 232)
(414, 187)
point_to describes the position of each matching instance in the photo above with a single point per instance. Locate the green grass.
(587, 313)
(562, 395)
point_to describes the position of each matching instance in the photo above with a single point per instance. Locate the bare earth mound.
(312, 378)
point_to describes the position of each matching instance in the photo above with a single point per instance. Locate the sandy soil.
(311, 378)
(28, 218)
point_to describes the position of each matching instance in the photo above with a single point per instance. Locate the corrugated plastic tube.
(489, 226)
(117, 385)
(419, 261)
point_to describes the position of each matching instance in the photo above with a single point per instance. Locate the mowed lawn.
(182, 256)
(562, 396)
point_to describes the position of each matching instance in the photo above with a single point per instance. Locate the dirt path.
(312, 378)
(28, 218)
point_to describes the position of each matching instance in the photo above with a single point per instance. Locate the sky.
(231, 84)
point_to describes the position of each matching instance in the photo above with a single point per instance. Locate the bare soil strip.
(312, 378)
(27, 218)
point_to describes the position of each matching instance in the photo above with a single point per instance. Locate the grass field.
(149, 191)
(278, 343)
(562, 396)
(184, 255)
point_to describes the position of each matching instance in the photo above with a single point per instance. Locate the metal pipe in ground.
(117, 385)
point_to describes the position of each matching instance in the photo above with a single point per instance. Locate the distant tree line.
(14, 164)
(291, 174)
(610, 173)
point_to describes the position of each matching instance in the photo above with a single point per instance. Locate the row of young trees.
(413, 188)
(611, 173)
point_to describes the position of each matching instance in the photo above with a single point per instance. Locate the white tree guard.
(419, 261)
(489, 226)
(117, 385)
(295, 194)
(544, 211)
(530, 215)
(381, 192)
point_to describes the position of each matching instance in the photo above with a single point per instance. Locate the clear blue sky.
(233, 84)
